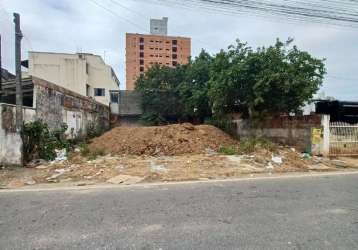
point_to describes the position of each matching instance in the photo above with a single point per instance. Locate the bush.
(40, 142)
(228, 150)
(250, 145)
(152, 119)
(224, 124)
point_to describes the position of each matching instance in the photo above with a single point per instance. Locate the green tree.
(280, 78)
(160, 97)
(193, 90)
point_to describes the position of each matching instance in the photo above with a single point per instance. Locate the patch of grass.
(90, 154)
(94, 154)
(250, 145)
(85, 150)
(228, 150)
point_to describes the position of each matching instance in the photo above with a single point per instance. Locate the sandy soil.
(168, 168)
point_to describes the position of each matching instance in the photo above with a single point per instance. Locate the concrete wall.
(75, 72)
(128, 109)
(56, 105)
(10, 140)
(159, 26)
(294, 131)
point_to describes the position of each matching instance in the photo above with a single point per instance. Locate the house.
(6, 75)
(83, 73)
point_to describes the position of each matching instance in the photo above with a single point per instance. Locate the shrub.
(224, 124)
(40, 142)
(250, 145)
(228, 150)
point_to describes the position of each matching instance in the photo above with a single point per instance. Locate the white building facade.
(85, 74)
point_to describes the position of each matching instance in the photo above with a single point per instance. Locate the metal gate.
(343, 139)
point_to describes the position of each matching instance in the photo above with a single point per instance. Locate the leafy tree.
(279, 78)
(276, 79)
(159, 92)
(193, 91)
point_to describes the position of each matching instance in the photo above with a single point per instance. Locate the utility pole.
(18, 37)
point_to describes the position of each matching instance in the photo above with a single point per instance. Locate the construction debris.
(175, 139)
(125, 179)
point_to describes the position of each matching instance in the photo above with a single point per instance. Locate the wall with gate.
(343, 139)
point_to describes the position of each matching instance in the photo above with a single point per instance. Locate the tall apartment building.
(143, 51)
(85, 74)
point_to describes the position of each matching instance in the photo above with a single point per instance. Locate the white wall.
(74, 72)
(10, 141)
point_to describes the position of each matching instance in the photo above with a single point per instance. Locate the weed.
(250, 145)
(228, 150)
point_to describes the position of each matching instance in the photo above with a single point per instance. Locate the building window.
(175, 63)
(141, 47)
(174, 49)
(87, 68)
(175, 56)
(114, 97)
(88, 90)
(141, 40)
(99, 92)
(141, 54)
(141, 69)
(141, 62)
(175, 42)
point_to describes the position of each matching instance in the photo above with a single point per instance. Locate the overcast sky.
(81, 26)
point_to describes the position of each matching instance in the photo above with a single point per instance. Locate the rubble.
(277, 160)
(175, 139)
(340, 163)
(36, 163)
(125, 179)
(157, 168)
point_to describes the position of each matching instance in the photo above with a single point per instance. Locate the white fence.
(343, 139)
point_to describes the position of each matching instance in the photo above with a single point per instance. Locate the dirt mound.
(163, 140)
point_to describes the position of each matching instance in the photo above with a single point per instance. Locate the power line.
(147, 17)
(120, 17)
(337, 13)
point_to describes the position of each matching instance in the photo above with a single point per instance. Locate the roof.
(161, 36)
(6, 75)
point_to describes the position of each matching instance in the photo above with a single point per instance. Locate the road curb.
(148, 185)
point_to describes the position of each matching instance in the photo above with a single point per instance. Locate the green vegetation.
(40, 142)
(90, 155)
(250, 145)
(275, 79)
(228, 150)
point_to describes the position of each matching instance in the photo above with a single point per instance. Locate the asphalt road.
(286, 213)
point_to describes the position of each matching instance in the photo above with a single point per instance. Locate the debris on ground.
(35, 163)
(175, 139)
(276, 160)
(157, 168)
(60, 155)
(165, 154)
(125, 179)
(340, 163)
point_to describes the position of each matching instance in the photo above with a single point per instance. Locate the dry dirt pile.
(163, 140)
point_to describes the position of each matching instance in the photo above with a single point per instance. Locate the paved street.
(287, 213)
